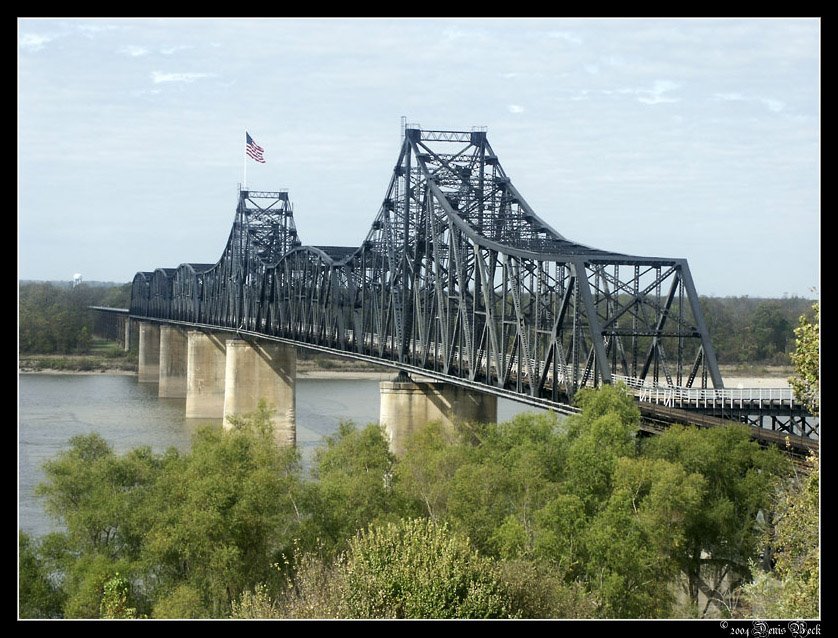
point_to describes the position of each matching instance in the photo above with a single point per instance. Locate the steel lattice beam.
(457, 276)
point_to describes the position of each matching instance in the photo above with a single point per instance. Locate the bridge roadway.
(458, 280)
(660, 406)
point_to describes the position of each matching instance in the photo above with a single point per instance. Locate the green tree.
(419, 569)
(425, 472)
(85, 577)
(504, 480)
(55, 320)
(99, 496)
(223, 514)
(183, 601)
(721, 533)
(631, 543)
(771, 331)
(102, 501)
(38, 596)
(792, 590)
(186, 533)
(114, 602)
(353, 485)
(806, 361)
(605, 430)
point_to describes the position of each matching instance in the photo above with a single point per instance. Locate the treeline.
(55, 319)
(747, 330)
(532, 518)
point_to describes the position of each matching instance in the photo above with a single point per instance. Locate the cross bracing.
(457, 275)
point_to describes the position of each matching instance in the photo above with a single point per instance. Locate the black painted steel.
(457, 277)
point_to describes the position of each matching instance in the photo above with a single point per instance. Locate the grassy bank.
(75, 363)
(102, 356)
(108, 356)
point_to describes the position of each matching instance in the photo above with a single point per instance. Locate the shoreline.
(307, 374)
(775, 380)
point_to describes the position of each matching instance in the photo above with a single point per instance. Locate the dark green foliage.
(536, 517)
(806, 360)
(353, 485)
(722, 532)
(37, 595)
(56, 319)
(792, 588)
(747, 330)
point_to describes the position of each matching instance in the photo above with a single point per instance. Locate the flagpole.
(245, 160)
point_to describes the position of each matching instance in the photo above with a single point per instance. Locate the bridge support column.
(127, 336)
(148, 367)
(205, 362)
(407, 405)
(262, 371)
(173, 358)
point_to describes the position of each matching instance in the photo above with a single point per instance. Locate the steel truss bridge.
(460, 280)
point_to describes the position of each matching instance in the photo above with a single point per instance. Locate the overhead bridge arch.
(457, 278)
(457, 275)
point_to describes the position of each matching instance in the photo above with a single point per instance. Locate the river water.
(55, 407)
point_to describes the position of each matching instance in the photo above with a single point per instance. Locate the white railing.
(645, 390)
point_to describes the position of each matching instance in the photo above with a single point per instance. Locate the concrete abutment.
(407, 405)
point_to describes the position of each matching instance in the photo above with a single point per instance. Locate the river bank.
(326, 367)
(319, 367)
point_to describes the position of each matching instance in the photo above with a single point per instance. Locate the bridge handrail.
(661, 393)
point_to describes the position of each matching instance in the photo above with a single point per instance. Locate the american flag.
(254, 150)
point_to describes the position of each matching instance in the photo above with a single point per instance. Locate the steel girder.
(457, 275)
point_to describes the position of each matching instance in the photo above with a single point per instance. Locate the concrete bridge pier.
(173, 362)
(262, 371)
(148, 366)
(407, 405)
(205, 369)
(126, 340)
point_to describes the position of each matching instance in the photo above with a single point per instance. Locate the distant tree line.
(746, 330)
(55, 319)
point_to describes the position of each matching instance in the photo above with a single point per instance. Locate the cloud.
(567, 36)
(656, 95)
(515, 108)
(455, 33)
(174, 49)
(35, 41)
(729, 97)
(593, 69)
(774, 106)
(133, 50)
(158, 77)
(144, 92)
(90, 30)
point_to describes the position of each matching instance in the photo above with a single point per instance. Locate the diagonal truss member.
(457, 275)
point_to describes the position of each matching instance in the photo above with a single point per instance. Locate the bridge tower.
(458, 279)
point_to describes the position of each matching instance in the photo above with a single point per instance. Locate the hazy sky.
(675, 138)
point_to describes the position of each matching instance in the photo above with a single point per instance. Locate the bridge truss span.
(457, 277)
